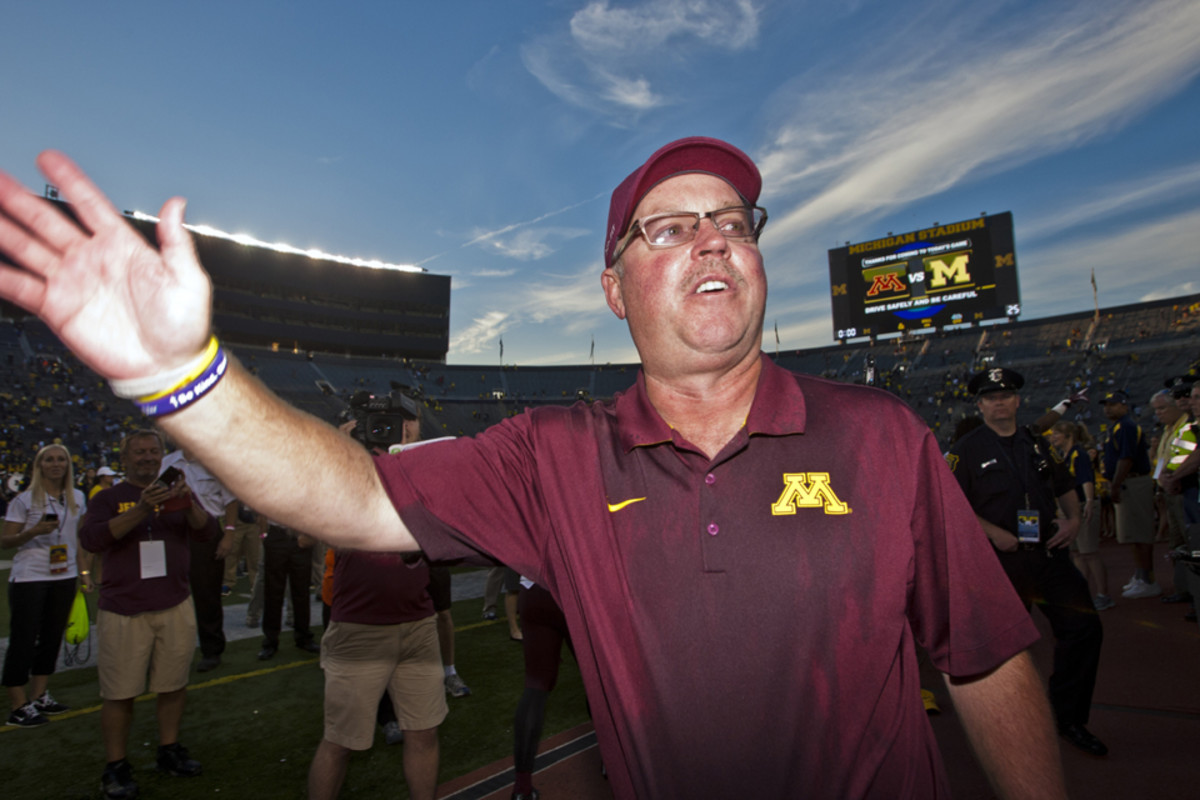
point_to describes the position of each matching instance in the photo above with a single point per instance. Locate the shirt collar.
(778, 409)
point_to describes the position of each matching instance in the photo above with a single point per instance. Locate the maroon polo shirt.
(379, 588)
(745, 626)
(123, 590)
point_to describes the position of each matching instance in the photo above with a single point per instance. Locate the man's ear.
(612, 292)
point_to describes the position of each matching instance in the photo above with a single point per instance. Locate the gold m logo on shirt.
(807, 490)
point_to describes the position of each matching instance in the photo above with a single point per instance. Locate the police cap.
(996, 379)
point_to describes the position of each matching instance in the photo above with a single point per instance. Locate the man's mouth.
(711, 286)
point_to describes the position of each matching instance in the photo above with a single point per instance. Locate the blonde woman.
(42, 523)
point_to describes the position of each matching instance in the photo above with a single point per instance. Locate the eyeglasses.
(739, 223)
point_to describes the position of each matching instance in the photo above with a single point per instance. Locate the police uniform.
(1010, 479)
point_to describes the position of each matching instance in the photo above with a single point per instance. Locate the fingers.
(36, 218)
(175, 243)
(94, 210)
(25, 223)
(22, 288)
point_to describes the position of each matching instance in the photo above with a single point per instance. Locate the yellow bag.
(78, 623)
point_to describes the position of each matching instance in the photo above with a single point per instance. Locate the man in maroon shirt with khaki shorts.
(146, 622)
(747, 559)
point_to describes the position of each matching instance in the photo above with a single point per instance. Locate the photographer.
(381, 423)
(1013, 479)
(382, 641)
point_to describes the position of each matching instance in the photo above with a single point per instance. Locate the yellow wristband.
(149, 388)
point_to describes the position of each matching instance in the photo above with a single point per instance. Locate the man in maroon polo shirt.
(744, 596)
(142, 529)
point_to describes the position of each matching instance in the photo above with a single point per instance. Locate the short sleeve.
(962, 607)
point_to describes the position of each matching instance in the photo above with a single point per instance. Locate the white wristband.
(137, 388)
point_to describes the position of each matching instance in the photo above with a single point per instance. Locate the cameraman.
(1012, 479)
(382, 641)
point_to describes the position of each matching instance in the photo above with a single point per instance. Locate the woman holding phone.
(42, 523)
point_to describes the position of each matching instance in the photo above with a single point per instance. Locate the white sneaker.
(1134, 581)
(1143, 589)
(1103, 602)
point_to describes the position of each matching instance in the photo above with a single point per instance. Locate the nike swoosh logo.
(615, 507)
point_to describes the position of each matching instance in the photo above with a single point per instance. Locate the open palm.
(127, 310)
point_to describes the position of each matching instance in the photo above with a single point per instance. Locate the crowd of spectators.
(47, 396)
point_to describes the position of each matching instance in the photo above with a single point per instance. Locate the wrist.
(167, 392)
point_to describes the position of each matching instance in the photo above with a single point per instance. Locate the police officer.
(1016, 483)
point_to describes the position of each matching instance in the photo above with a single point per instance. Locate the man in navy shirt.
(1131, 487)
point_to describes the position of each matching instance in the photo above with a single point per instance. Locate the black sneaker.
(27, 716)
(173, 760)
(117, 781)
(49, 706)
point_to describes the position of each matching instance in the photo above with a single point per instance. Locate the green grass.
(255, 726)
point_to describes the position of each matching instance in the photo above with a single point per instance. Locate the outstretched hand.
(125, 309)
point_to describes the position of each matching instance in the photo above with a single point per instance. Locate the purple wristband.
(189, 393)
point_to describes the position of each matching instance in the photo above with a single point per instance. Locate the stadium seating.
(48, 394)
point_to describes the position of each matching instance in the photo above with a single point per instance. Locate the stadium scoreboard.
(961, 273)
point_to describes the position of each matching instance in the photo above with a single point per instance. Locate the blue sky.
(481, 139)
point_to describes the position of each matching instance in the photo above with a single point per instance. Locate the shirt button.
(710, 479)
(713, 529)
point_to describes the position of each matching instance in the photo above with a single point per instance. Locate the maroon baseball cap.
(693, 154)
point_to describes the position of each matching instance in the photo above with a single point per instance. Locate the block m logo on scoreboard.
(948, 271)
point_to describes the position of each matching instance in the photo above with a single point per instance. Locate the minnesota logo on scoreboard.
(888, 282)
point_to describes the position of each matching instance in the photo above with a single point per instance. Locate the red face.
(142, 460)
(696, 306)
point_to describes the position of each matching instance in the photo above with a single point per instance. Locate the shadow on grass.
(254, 726)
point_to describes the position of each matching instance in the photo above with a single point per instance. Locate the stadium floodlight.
(283, 247)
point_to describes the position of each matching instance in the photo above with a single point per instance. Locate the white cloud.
(575, 301)
(482, 334)
(609, 57)
(600, 28)
(528, 244)
(1116, 198)
(1056, 279)
(568, 305)
(1189, 288)
(631, 93)
(493, 273)
(862, 144)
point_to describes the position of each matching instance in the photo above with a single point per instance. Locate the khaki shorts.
(1135, 512)
(361, 661)
(1088, 540)
(162, 642)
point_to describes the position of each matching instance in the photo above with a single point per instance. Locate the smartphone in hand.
(169, 476)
